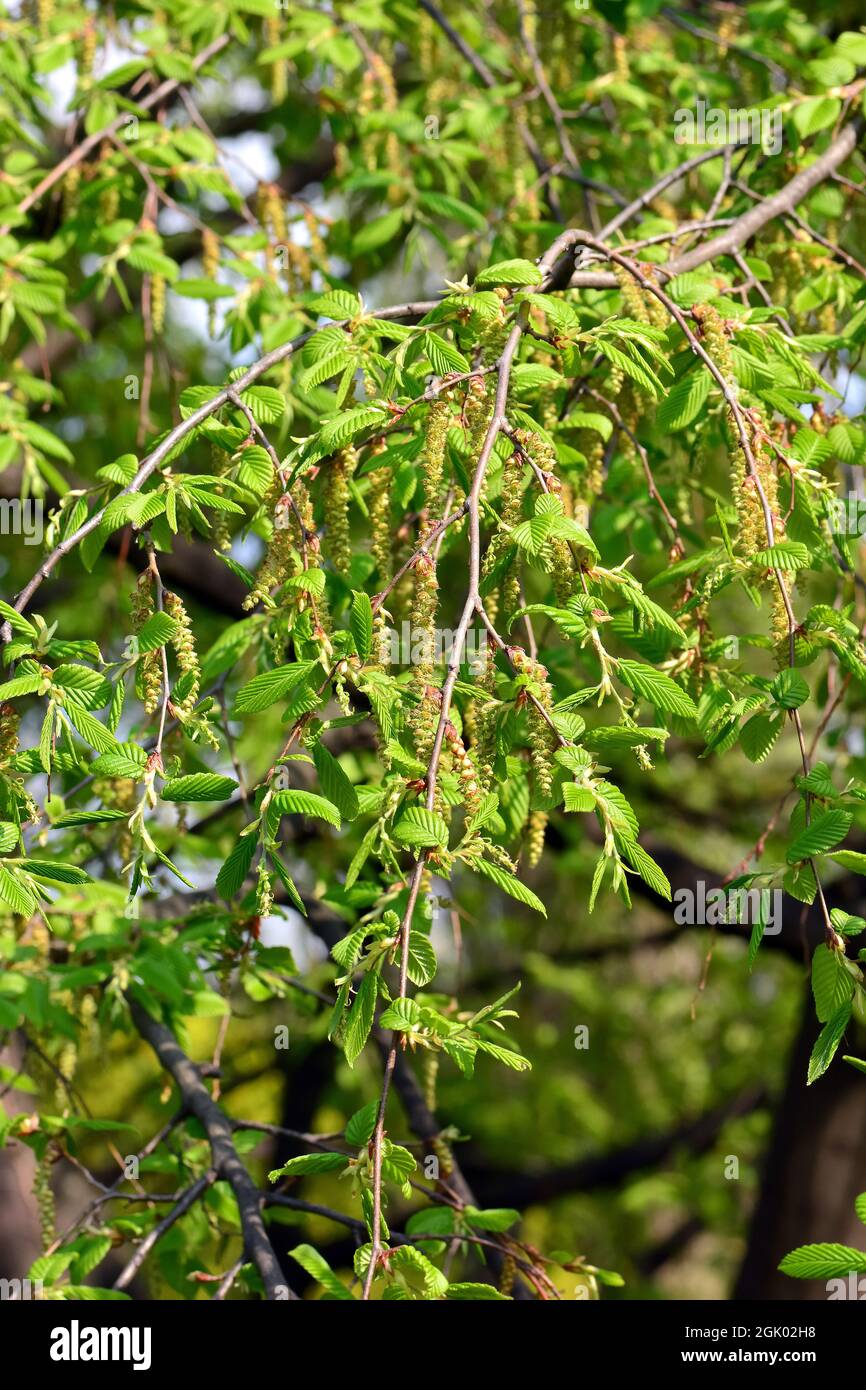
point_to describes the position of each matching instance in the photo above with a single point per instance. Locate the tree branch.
(227, 1164)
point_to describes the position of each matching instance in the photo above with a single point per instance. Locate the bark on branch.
(198, 1102)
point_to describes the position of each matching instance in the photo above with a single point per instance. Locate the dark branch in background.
(780, 204)
(189, 1198)
(227, 1164)
(93, 141)
(502, 1188)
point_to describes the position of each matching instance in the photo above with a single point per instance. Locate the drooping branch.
(93, 141)
(226, 1162)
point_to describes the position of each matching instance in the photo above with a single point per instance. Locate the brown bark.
(814, 1168)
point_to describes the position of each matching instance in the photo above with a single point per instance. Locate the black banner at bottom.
(60, 1340)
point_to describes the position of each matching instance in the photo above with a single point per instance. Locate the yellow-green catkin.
(464, 769)
(433, 465)
(511, 515)
(9, 721)
(148, 674)
(507, 1275)
(431, 1072)
(279, 66)
(714, 338)
(44, 15)
(221, 536)
(542, 743)
(543, 455)
(210, 261)
(424, 716)
(442, 1150)
(272, 218)
(88, 50)
(109, 198)
(183, 645)
(338, 539)
(277, 562)
(44, 1195)
(536, 828)
(157, 303)
(303, 530)
(264, 893)
(379, 508)
(71, 186)
(67, 1064)
(632, 294)
(481, 719)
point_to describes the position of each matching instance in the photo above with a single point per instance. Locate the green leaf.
(90, 729)
(823, 1261)
(814, 114)
(361, 624)
(421, 829)
(265, 689)
(515, 272)
(297, 802)
(422, 959)
(759, 734)
(158, 630)
(319, 1269)
(378, 232)
(508, 883)
(444, 357)
(645, 865)
(684, 401)
(845, 923)
(89, 818)
(360, 1019)
(465, 1293)
(199, 786)
(828, 1041)
(822, 835)
(784, 555)
(15, 894)
(657, 688)
(791, 689)
(233, 873)
(359, 1130)
(832, 984)
(310, 1163)
(335, 783)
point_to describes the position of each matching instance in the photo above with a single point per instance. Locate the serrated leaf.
(508, 883)
(233, 873)
(832, 985)
(335, 783)
(318, 1268)
(360, 1019)
(828, 1041)
(297, 802)
(822, 835)
(660, 690)
(309, 1163)
(514, 272)
(421, 829)
(823, 1261)
(199, 786)
(361, 623)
